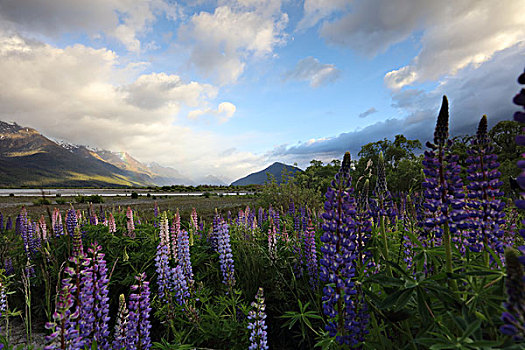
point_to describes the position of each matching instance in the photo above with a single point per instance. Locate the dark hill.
(260, 177)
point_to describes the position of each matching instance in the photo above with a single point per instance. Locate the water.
(104, 192)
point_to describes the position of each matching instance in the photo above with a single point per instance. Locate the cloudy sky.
(227, 87)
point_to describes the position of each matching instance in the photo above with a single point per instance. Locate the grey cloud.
(473, 92)
(368, 112)
(311, 70)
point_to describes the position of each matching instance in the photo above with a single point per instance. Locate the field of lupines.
(441, 269)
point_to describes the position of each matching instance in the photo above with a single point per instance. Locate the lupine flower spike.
(257, 325)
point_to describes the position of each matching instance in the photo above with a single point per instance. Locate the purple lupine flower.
(225, 255)
(56, 223)
(138, 327)
(291, 208)
(183, 254)
(180, 286)
(443, 187)
(311, 255)
(8, 266)
(485, 208)
(64, 334)
(71, 221)
(164, 272)
(514, 316)
(257, 324)
(1, 222)
(9, 224)
(94, 300)
(338, 262)
(519, 116)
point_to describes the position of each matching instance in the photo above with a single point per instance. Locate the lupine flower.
(43, 227)
(138, 327)
(284, 235)
(519, 116)
(225, 255)
(260, 216)
(164, 232)
(257, 324)
(180, 286)
(63, 326)
(164, 272)
(183, 245)
(1, 222)
(194, 220)
(3, 300)
(155, 213)
(71, 221)
(174, 231)
(514, 317)
(111, 224)
(9, 224)
(338, 262)
(8, 266)
(291, 208)
(94, 300)
(311, 255)
(443, 187)
(130, 223)
(485, 208)
(272, 242)
(56, 223)
(119, 336)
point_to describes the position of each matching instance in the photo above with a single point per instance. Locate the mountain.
(31, 159)
(165, 176)
(260, 177)
(213, 180)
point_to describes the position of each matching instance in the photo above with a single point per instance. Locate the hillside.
(30, 159)
(260, 177)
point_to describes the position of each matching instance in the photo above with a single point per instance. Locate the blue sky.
(227, 87)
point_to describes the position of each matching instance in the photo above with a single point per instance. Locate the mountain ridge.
(260, 177)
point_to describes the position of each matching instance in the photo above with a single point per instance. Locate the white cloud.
(124, 20)
(311, 70)
(317, 10)
(221, 42)
(224, 112)
(454, 34)
(85, 96)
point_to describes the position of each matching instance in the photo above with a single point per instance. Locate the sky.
(227, 87)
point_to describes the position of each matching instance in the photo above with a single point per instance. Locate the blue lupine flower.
(138, 327)
(225, 255)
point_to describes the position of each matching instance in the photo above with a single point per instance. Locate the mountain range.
(260, 177)
(30, 159)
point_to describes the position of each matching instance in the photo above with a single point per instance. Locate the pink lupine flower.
(131, 225)
(111, 224)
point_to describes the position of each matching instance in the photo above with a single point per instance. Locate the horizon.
(223, 88)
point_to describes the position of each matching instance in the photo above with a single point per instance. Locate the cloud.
(316, 10)
(368, 112)
(224, 112)
(487, 89)
(311, 70)
(454, 34)
(221, 42)
(124, 20)
(87, 96)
